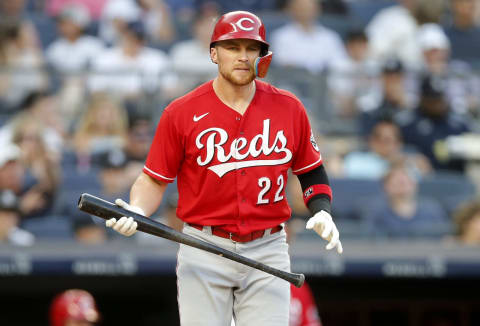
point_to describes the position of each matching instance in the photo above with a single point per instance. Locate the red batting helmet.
(244, 25)
(73, 304)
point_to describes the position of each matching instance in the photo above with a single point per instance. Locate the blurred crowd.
(392, 89)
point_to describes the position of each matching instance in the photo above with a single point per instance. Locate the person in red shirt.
(74, 307)
(230, 143)
(303, 310)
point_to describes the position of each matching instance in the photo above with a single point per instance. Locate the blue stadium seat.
(363, 11)
(351, 196)
(450, 189)
(51, 227)
(73, 179)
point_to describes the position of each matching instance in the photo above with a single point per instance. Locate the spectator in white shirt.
(191, 58)
(354, 80)
(73, 51)
(132, 69)
(463, 87)
(9, 219)
(316, 47)
(392, 32)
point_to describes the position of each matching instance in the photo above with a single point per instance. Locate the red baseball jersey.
(303, 310)
(231, 169)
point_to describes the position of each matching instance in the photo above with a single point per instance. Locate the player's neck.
(236, 97)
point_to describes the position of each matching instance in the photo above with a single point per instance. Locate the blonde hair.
(88, 127)
(465, 214)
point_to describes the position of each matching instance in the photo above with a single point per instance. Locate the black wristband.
(320, 203)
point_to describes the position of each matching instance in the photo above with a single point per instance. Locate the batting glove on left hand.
(323, 224)
(125, 225)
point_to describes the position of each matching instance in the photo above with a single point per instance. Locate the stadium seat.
(351, 195)
(363, 11)
(51, 227)
(450, 189)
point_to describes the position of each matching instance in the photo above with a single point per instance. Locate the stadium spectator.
(392, 32)
(385, 147)
(10, 219)
(316, 47)
(462, 86)
(103, 125)
(391, 98)
(427, 127)
(467, 222)
(464, 31)
(131, 69)
(404, 214)
(11, 170)
(74, 307)
(191, 58)
(114, 179)
(116, 15)
(21, 62)
(86, 231)
(35, 156)
(353, 80)
(157, 16)
(73, 51)
(139, 137)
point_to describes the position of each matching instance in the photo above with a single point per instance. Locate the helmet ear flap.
(262, 64)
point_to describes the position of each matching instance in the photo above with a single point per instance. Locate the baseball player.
(230, 143)
(73, 308)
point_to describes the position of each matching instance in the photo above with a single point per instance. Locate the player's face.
(235, 59)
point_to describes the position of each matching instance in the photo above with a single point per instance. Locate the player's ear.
(213, 55)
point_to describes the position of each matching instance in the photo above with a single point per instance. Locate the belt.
(219, 232)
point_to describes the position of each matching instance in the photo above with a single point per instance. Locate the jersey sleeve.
(166, 152)
(307, 155)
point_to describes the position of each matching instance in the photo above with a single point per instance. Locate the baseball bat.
(107, 210)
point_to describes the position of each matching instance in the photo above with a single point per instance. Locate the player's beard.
(235, 79)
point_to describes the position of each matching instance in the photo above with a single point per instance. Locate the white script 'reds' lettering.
(240, 149)
(241, 25)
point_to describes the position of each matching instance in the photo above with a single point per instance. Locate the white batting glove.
(323, 224)
(125, 225)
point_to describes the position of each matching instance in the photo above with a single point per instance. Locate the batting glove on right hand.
(323, 224)
(125, 225)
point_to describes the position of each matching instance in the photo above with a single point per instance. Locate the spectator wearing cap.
(393, 30)
(113, 164)
(427, 127)
(131, 69)
(463, 87)
(464, 32)
(9, 220)
(86, 231)
(73, 51)
(316, 46)
(392, 98)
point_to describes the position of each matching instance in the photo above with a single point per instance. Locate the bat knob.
(299, 281)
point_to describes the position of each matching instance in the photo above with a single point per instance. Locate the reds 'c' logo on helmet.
(244, 25)
(73, 304)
